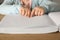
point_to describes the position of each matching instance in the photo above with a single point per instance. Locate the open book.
(56, 18)
(36, 25)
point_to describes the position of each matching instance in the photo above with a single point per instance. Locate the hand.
(37, 11)
(25, 11)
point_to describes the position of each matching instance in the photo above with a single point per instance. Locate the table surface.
(1, 17)
(51, 36)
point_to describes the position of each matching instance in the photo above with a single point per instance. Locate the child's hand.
(25, 11)
(37, 11)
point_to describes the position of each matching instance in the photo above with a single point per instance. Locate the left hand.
(25, 12)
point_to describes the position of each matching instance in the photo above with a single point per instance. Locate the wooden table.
(1, 17)
(52, 36)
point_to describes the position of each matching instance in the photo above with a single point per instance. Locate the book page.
(21, 21)
(55, 16)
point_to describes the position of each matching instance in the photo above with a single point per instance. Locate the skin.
(37, 11)
(25, 10)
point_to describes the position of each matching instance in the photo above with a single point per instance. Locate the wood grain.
(52, 36)
(1, 17)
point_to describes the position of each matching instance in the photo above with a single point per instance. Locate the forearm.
(46, 4)
(7, 2)
(9, 9)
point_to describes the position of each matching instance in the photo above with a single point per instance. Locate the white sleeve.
(9, 9)
(7, 2)
(48, 5)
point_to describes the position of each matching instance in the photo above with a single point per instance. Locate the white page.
(19, 24)
(20, 21)
(55, 16)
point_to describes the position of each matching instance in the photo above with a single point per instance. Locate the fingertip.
(33, 11)
(29, 14)
(41, 13)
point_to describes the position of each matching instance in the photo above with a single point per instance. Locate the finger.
(26, 12)
(39, 13)
(42, 12)
(23, 12)
(20, 11)
(32, 13)
(36, 12)
(29, 14)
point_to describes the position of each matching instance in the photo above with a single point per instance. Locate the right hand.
(37, 11)
(25, 11)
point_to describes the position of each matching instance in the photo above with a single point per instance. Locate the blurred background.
(1, 1)
(58, 1)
